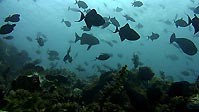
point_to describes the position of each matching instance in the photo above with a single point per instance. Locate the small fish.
(103, 56)
(181, 23)
(73, 9)
(137, 4)
(115, 22)
(40, 41)
(67, 23)
(129, 18)
(67, 57)
(12, 18)
(139, 26)
(85, 28)
(195, 23)
(29, 39)
(154, 36)
(8, 37)
(81, 4)
(92, 19)
(187, 46)
(88, 39)
(7, 28)
(128, 33)
(118, 9)
(106, 24)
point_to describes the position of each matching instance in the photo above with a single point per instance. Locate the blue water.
(45, 16)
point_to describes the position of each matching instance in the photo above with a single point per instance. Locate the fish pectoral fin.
(89, 47)
(122, 38)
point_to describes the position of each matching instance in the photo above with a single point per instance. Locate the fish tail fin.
(68, 8)
(89, 47)
(62, 20)
(77, 37)
(116, 30)
(189, 20)
(82, 17)
(172, 38)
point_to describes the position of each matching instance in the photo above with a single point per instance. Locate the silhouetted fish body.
(181, 23)
(115, 22)
(126, 32)
(92, 19)
(196, 10)
(12, 18)
(137, 4)
(154, 36)
(7, 28)
(87, 39)
(129, 18)
(103, 56)
(195, 23)
(187, 46)
(81, 4)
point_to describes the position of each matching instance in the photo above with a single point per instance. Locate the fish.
(118, 9)
(115, 22)
(187, 46)
(129, 18)
(154, 36)
(195, 23)
(67, 23)
(67, 57)
(12, 18)
(106, 24)
(88, 39)
(196, 10)
(81, 4)
(73, 9)
(128, 33)
(53, 55)
(85, 28)
(137, 4)
(92, 19)
(103, 56)
(29, 39)
(7, 28)
(181, 23)
(40, 41)
(8, 37)
(139, 26)
(41, 38)
(106, 18)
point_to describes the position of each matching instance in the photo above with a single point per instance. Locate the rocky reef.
(35, 89)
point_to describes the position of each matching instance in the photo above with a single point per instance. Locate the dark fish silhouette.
(67, 57)
(154, 36)
(7, 28)
(103, 56)
(92, 19)
(115, 22)
(41, 39)
(12, 18)
(137, 4)
(126, 32)
(118, 9)
(187, 46)
(8, 37)
(88, 39)
(195, 23)
(106, 24)
(81, 4)
(181, 23)
(129, 18)
(85, 28)
(67, 23)
(139, 26)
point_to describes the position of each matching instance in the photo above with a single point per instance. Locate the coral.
(145, 74)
